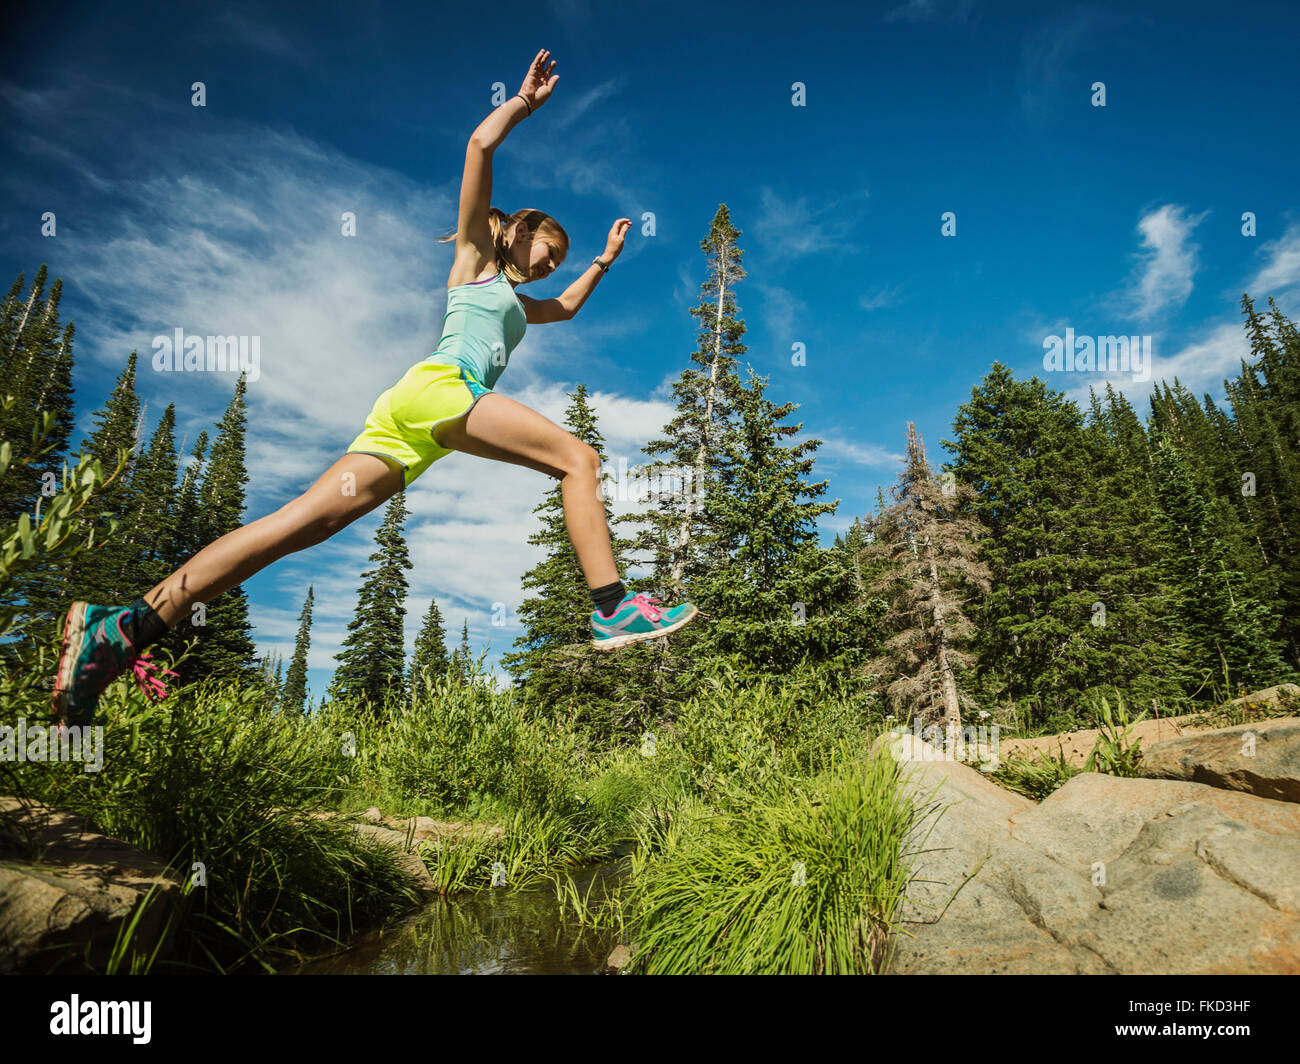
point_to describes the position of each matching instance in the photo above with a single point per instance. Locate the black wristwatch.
(597, 262)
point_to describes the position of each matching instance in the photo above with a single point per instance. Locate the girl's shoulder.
(471, 266)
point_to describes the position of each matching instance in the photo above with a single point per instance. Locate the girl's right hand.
(539, 82)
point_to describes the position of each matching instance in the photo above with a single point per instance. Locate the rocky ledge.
(1192, 868)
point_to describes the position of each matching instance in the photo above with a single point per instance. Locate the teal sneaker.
(637, 618)
(97, 650)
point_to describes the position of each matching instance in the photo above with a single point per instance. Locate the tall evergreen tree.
(225, 647)
(931, 570)
(185, 541)
(429, 658)
(153, 489)
(1023, 448)
(102, 575)
(294, 698)
(1138, 631)
(460, 657)
(676, 530)
(373, 659)
(1226, 631)
(36, 374)
(770, 594)
(189, 532)
(1265, 402)
(36, 368)
(554, 661)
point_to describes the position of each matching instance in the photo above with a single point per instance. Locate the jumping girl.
(442, 404)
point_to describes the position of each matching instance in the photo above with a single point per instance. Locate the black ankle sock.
(608, 597)
(144, 626)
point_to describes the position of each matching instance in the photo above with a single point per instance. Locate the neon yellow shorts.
(402, 421)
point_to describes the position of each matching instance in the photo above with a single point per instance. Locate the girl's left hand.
(540, 80)
(614, 244)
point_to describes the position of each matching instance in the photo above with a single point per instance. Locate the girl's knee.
(581, 459)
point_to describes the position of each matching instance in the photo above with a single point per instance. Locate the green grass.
(1035, 777)
(220, 788)
(217, 789)
(807, 881)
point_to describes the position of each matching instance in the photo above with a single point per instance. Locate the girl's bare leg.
(350, 488)
(508, 431)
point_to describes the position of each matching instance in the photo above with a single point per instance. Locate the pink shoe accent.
(643, 603)
(154, 689)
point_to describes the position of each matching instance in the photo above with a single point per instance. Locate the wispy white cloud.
(879, 298)
(867, 454)
(1281, 270)
(951, 11)
(571, 112)
(1213, 352)
(1168, 261)
(1203, 362)
(792, 228)
(595, 157)
(783, 314)
(256, 33)
(1050, 60)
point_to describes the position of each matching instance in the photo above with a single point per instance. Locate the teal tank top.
(484, 322)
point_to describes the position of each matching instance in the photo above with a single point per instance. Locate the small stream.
(492, 932)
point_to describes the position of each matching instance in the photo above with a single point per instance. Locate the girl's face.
(536, 254)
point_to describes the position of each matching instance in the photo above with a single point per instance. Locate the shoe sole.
(74, 638)
(614, 642)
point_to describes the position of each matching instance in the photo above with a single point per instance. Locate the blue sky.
(1123, 219)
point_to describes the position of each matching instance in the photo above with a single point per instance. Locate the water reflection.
(494, 932)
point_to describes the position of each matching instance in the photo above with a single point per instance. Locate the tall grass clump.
(218, 787)
(1035, 777)
(456, 745)
(807, 880)
(1115, 752)
(744, 735)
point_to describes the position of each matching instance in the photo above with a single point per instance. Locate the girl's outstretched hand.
(539, 82)
(614, 243)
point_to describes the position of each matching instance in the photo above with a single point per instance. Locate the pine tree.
(771, 593)
(36, 370)
(1132, 622)
(373, 659)
(225, 647)
(554, 661)
(1226, 631)
(294, 698)
(153, 488)
(103, 574)
(1265, 482)
(460, 657)
(929, 550)
(188, 539)
(185, 541)
(1024, 450)
(676, 531)
(269, 670)
(429, 658)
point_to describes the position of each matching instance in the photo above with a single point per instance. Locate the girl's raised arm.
(473, 234)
